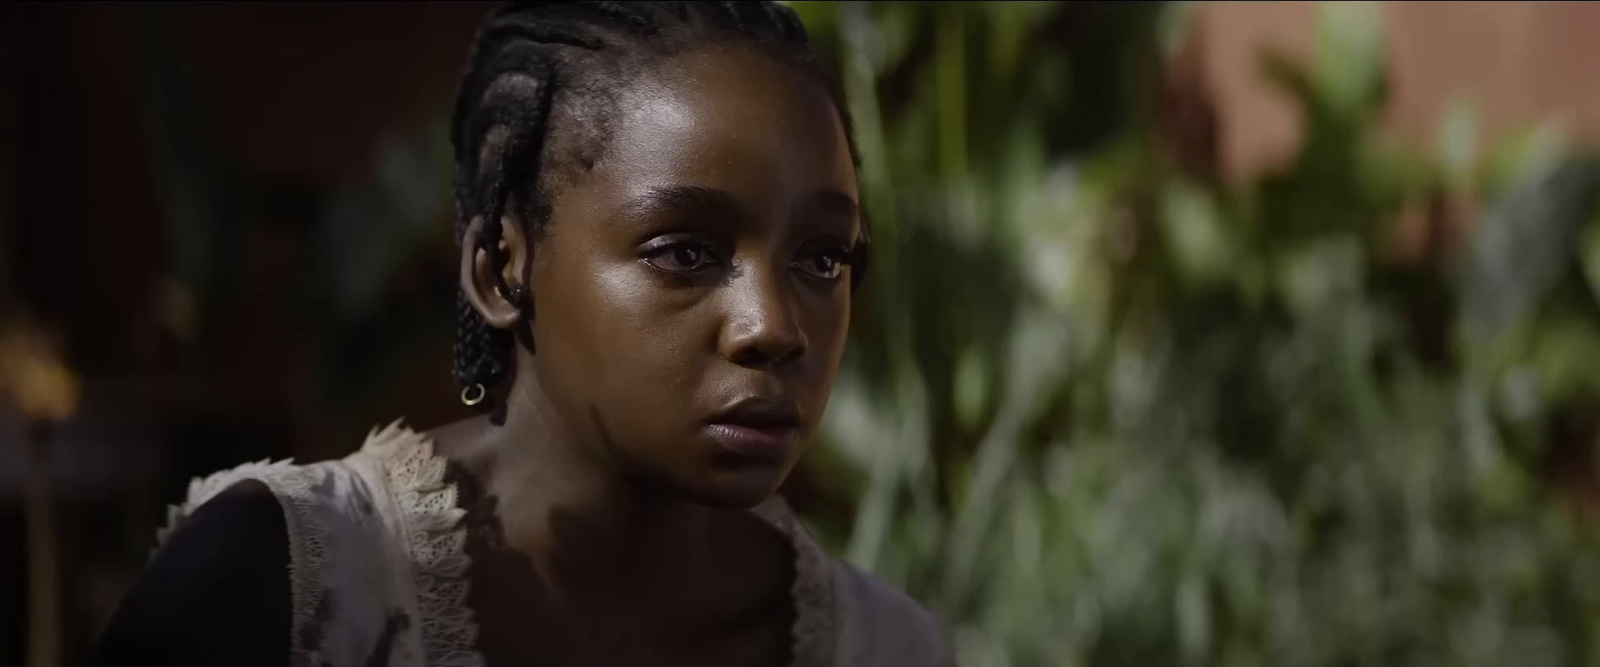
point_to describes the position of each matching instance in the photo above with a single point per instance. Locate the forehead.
(728, 119)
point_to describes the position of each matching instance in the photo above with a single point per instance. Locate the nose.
(761, 328)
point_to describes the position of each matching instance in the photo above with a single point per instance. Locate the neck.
(565, 503)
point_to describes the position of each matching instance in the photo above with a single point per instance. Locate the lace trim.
(436, 540)
(308, 550)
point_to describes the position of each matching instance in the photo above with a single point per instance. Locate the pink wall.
(1521, 62)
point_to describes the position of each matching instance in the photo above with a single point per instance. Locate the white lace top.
(378, 536)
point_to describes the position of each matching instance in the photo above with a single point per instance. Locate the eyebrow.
(684, 199)
(699, 200)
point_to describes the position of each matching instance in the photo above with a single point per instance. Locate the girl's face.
(691, 294)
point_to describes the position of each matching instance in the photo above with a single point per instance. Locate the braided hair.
(534, 110)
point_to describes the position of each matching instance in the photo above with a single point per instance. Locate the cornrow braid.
(534, 107)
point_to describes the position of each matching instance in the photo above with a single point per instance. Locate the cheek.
(610, 335)
(827, 330)
(834, 328)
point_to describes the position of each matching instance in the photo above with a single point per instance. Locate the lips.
(756, 427)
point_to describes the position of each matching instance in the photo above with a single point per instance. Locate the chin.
(735, 489)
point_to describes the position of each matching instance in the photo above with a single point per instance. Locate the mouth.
(756, 427)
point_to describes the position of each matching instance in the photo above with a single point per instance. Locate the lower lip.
(764, 442)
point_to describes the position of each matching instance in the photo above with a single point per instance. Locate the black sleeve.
(216, 594)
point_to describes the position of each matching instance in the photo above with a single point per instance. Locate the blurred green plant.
(1103, 408)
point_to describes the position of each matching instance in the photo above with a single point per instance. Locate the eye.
(682, 256)
(825, 263)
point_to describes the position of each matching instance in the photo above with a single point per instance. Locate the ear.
(478, 281)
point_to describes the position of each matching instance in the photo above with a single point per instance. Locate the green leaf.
(1523, 155)
(1458, 143)
(1350, 75)
(1589, 256)
(1195, 234)
(971, 388)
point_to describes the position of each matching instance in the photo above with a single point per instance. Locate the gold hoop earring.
(474, 394)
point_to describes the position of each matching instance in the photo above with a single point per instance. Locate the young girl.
(660, 236)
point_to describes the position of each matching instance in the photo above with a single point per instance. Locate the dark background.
(286, 106)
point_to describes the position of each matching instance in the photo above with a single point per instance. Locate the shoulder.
(216, 593)
(245, 504)
(272, 559)
(238, 533)
(244, 520)
(849, 618)
(880, 625)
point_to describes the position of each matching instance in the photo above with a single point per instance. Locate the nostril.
(792, 355)
(769, 350)
(766, 357)
(748, 356)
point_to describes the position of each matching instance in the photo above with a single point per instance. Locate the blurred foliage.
(1103, 408)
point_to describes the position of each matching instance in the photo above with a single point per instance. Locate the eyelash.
(840, 255)
(652, 255)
